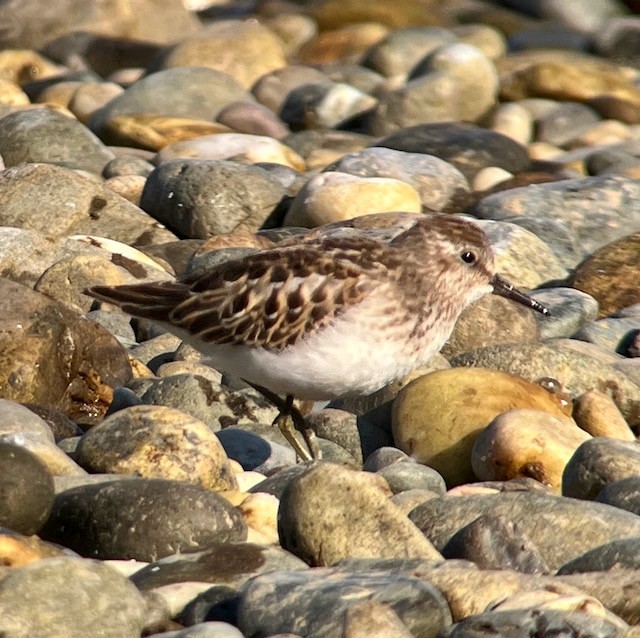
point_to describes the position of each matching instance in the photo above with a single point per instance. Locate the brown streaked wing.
(273, 298)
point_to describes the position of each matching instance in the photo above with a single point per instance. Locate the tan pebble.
(514, 121)
(17, 550)
(12, 95)
(489, 176)
(358, 519)
(171, 368)
(596, 413)
(247, 479)
(436, 418)
(260, 512)
(90, 97)
(128, 186)
(602, 133)
(236, 468)
(139, 370)
(471, 489)
(544, 151)
(333, 196)
(23, 65)
(235, 497)
(58, 93)
(154, 132)
(526, 443)
(156, 441)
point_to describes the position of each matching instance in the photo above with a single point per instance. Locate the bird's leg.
(289, 420)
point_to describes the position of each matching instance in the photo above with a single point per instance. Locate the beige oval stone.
(59, 93)
(12, 95)
(330, 512)
(128, 186)
(332, 196)
(157, 442)
(596, 413)
(489, 177)
(251, 148)
(528, 443)
(436, 418)
(89, 97)
(23, 65)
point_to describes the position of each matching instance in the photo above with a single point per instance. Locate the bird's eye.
(468, 257)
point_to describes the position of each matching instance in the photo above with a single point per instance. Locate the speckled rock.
(361, 520)
(443, 439)
(50, 137)
(526, 443)
(577, 369)
(438, 182)
(157, 442)
(203, 198)
(332, 196)
(597, 209)
(30, 600)
(78, 204)
(282, 602)
(495, 542)
(624, 494)
(141, 518)
(597, 463)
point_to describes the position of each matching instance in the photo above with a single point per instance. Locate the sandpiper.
(336, 315)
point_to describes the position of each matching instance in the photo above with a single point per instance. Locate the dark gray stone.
(598, 463)
(26, 490)
(469, 148)
(197, 199)
(624, 494)
(142, 519)
(403, 476)
(622, 554)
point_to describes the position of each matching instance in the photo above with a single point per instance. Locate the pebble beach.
(494, 492)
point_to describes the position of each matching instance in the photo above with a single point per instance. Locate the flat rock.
(143, 519)
(285, 601)
(53, 593)
(230, 564)
(469, 148)
(544, 518)
(194, 92)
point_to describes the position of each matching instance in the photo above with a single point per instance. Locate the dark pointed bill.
(503, 288)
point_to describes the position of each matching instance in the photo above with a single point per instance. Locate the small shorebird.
(338, 314)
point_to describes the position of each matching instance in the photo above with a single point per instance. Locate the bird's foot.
(292, 424)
